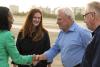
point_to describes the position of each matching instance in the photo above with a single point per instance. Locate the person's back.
(7, 48)
(3, 54)
(7, 42)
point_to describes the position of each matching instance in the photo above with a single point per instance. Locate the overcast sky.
(26, 4)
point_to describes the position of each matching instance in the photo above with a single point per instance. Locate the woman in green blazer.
(7, 43)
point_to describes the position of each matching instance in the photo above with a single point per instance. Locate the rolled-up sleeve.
(52, 52)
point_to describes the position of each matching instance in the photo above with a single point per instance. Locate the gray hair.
(96, 6)
(68, 12)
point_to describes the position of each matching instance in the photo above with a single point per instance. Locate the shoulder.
(86, 32)
(83, 31)
(45, 32)
(19, 34)
(7, 33)
(97, 34)
(78, 29)
(46, 35)
(85, 35)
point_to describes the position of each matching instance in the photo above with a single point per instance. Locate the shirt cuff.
(48, 57)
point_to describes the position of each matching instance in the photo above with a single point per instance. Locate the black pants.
(78, 65)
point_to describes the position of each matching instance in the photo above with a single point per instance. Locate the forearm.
(49, 65)
(51, 53)
(13, 65)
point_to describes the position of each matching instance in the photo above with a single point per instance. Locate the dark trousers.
(78, 65)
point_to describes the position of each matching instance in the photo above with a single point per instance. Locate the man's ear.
(93, 16)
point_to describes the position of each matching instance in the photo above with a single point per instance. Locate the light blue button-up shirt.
(71, 44)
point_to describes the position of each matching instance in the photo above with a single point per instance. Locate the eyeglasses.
(88, 14)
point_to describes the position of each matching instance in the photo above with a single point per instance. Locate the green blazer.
(8, 49)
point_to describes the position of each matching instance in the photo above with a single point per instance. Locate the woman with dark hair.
(33, 38)
(7, 43)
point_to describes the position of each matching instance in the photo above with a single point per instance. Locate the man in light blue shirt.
(71, 42)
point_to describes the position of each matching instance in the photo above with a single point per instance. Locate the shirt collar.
(97, 29)
(73, 26)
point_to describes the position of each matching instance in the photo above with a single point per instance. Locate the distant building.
(14, 9)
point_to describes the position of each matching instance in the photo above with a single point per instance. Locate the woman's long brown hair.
(29, 29)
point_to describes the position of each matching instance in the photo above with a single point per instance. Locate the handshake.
(38, 58)
(35, 60)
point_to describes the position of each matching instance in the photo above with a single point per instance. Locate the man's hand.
(40, 57)
(49, 65)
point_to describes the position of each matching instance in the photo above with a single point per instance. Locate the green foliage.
(79, 16)
(20, 14)
(48, 15)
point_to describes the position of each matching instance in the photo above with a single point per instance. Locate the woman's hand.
(14, 65)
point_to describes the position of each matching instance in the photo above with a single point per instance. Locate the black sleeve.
(96, 60)
(19, 42)
(47, 43)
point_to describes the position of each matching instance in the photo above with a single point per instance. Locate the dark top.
(92, 54)
(28, 47)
